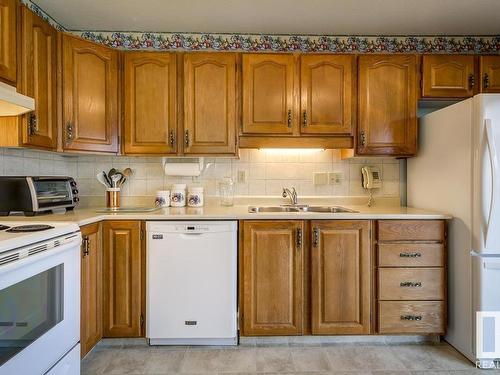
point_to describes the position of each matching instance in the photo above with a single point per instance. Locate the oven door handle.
(12, 266)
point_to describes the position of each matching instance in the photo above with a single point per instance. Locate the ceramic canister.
(162, 198)
(195, 197)
(178, 195)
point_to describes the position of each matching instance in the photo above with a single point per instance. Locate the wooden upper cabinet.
(447, 76)
(122, 279)
(210, 103)
(387, 105)
(268, 94)
(150, 112)
(489, 69)
(91, 288)
(271, 277)
(327, 94)
(38, 80)
(340, 277)
(90, 96)
(8, 40)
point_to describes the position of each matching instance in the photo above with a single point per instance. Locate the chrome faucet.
(290, 194)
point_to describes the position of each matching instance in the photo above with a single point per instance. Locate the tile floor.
(336, 359)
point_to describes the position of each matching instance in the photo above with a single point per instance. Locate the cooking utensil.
(127, 172)
(111, 172)
(115, 178)
(108, 181)
(102, 179)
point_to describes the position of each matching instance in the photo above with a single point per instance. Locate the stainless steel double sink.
(300, 208)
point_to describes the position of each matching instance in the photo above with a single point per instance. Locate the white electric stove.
(39, 298)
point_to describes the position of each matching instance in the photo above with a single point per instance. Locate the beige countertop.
(213, 211)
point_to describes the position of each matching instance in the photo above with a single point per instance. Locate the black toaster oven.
(33, 195)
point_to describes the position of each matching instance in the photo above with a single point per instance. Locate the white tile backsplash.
(267, 172)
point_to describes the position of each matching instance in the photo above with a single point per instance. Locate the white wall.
(267, 171)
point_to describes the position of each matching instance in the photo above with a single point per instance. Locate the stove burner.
(29, 228)
(3, 227)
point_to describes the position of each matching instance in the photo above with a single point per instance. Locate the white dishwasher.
(191, 283)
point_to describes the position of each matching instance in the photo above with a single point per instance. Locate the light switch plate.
(320, 178)
(335, 178)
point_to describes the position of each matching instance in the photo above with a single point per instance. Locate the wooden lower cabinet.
(271, 277)
(411, 276)
(91, 284)
(123, 286)
(340, 277)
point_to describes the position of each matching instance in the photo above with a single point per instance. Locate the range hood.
(12, 103)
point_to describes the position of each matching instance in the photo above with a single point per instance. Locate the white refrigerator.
(457, 172)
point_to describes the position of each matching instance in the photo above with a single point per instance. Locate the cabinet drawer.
(411, 284)
(410, 255)
(410, 230)
(411, 317)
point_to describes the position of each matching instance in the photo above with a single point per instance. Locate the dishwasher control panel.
(158, 227)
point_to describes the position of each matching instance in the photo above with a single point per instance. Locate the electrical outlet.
(242, 177)
(320, 178)
(335, 178)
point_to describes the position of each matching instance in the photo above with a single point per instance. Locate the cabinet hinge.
(142, 320)
(142, 234)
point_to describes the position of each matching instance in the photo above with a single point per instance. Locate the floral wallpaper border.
(292, 43)
(284, 43)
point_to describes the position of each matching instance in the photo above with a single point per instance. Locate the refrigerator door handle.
(491, 265)
(492, 216)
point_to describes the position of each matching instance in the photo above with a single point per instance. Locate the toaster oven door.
(52, 193)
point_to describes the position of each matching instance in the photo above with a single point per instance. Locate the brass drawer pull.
(69, 132)
(410, 255)
(299, 238)
(410, 284)
(486, 81)
(315, 237)
(411, 317)
(289, 118)
(472, 81)
(86, 246)
(172, 138)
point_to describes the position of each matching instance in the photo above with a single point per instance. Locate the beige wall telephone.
(370, 178)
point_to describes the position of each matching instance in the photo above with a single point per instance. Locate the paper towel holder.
(182, 166)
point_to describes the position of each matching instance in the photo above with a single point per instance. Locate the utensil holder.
(113, 197)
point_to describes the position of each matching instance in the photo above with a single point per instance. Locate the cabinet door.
(122, 282)
(271, 277)
(90, 96)
(91, 292)
(150, 103)
(210, 103)
(340, 277)
(387, 105)
(8, 35)
(268, 94)
(327, 84)
(38, 80)
(447, 76)
(489, 67)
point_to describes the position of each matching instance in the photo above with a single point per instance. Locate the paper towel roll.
(182, 168)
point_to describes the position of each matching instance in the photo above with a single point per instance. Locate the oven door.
(39, 309)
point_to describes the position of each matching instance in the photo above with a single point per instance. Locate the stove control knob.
(75, 191)
(72, 183)
(76, 199)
